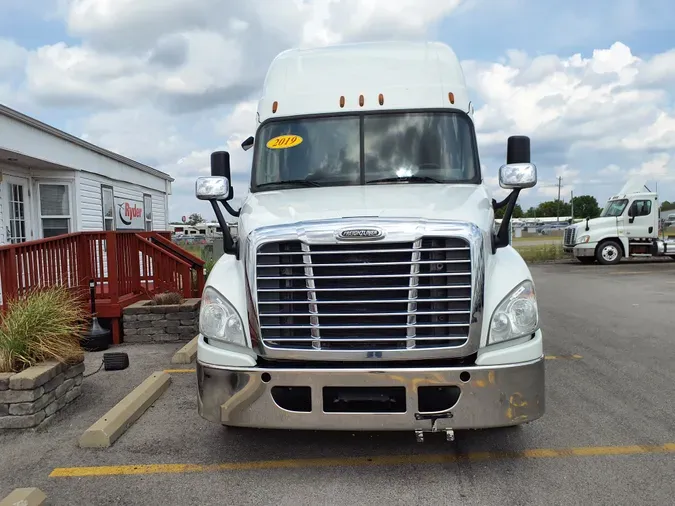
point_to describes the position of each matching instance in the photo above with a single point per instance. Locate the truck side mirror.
(247, 144)
(519, 172)
(212, 188)
(632, 212)
(518, 149)
(217, 188)
(517, 175)
(220, 167)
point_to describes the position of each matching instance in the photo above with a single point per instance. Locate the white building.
(53, 183)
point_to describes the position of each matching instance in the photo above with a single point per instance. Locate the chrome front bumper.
(579, 252)
(491, 396)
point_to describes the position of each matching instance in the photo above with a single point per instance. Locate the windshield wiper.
(290, 182)
(420, 179)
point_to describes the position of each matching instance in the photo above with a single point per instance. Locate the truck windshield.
(614, 208)
(369, 148)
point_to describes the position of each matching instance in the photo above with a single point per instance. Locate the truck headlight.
(219, 320)
(517, 315)
(583, 239)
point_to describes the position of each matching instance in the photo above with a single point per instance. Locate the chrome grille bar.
(311, 295)
(366, 264)
(412, 295)
(370, 251)
(373, 296)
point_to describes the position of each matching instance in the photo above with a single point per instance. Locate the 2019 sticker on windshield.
(284, 141)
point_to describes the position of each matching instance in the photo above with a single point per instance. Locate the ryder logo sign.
(129, 214)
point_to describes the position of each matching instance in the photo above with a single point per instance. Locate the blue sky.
(167, 82)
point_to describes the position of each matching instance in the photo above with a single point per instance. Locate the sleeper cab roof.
(365, 76)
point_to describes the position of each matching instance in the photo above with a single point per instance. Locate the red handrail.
(122, 264)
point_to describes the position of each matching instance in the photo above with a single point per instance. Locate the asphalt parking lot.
(608, 436)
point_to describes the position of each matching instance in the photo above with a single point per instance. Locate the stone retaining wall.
(36, 394)
(144, 323)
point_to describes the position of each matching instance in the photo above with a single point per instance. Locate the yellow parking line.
(386, 460)
(547, 357)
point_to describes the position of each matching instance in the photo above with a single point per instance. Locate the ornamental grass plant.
(44, 324)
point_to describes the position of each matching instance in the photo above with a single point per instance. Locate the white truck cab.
(628, 226)
(367, 288)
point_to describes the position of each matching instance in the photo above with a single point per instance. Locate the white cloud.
(577, 100)
(169, 81)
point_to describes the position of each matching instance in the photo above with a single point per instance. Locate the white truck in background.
(629, 226)
(367, 288)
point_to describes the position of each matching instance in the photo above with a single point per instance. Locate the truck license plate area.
(364, 400)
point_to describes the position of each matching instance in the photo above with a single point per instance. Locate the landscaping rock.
(67, 385)
(28, 408)
(54, 382)
(75, 370)
(73, 394)
(4, 380)
(35, 376)
(22, 408)
(14, 396)
(22, 422)
(162, 323)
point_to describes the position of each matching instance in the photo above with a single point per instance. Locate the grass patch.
(542, 238)
(45, 324)
(208, 266)
(542, 253)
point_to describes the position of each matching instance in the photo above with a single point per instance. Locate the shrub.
(167, 298)
(46, 323)
(208, 266)
(542, 253)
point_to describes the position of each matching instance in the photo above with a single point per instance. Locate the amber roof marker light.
(342, 101)
(381, 99)
(275, 106)
(361, 100)
(451, 97)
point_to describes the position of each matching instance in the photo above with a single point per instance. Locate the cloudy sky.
(166, 82)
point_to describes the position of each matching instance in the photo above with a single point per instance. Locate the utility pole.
(572, 204)
(558, 210)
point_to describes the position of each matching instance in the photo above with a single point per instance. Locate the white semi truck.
(367, 288)
(628, 226)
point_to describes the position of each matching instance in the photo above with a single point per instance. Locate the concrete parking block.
(115, 422)
(187, 353)
(24, 497)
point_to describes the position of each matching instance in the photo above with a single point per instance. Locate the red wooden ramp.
(125, 266)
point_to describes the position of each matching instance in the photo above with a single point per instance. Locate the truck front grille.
(568, 239)
(366, 296)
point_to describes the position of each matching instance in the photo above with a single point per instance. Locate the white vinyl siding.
(91, 206)
(92, 201)
(2, 217)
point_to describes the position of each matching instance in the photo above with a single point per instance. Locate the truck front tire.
(609, 252)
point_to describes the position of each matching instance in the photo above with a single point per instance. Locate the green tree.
(195, 218)
(667, 206)
(517, 212)
(549, 209)
(586, 206)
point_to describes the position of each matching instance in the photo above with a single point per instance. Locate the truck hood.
(596, 224)
(470, 203)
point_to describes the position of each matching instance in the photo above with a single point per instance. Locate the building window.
(108, 208)
(55, 214)
(147, 206)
